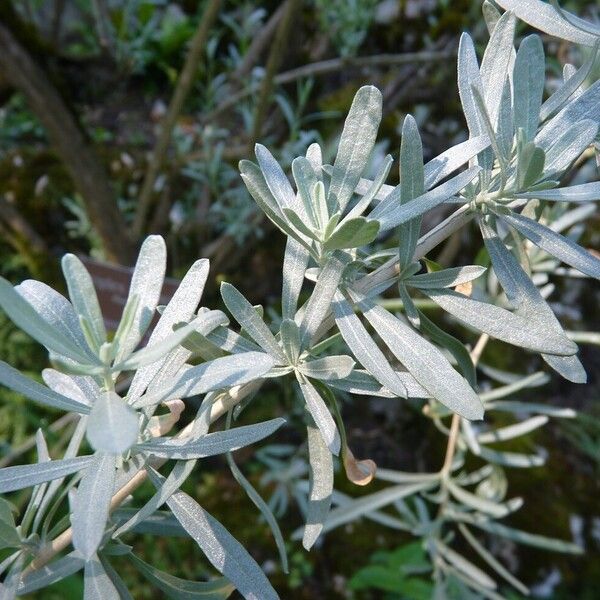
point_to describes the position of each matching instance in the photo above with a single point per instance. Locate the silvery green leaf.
(229, 341)
(83, 295)
(570, 87)
(496, 63)
(505, 122)
(356, 144)
(183, 589)
(390, 213)
(210, 444)
(534, 380)
(277, 181)
(153, 353)
(13, 380)
(97, 585)
(318, 304)
(47, 317)
(17, 478)
(585, 107)
(224, 372)
(224, 552)
(410, 310)
(491, 560)
(394, 476)
(478, 503)
(555, 244)
(529, 539)
(112, 425)
(306, 179)
(245, 314)
(512, 431)
(447, 162)
(569, 367)
(57, 570)
(321, 486)
(469, 77)
(567, 145)
(300, 224)
(502, 324)
(446, 278)
(266, 512)
(294, 266)
(412, 185)
(95, 490)
(453, 345)
(363, 346)
(372, 502)
(528, 82)
(328, 367)
(585, 192)
(491, 15)
(320, 414)
(146, 285)
(363, 383)
(9, 536)
(530, 165)
(320, 203)
(353, 233)
(370, 189)
(180, 308)
(465, 566)
(290, 340)
(544, 16)
(515, 407)
(171, 484)
(424, 361)
(80, 388)
(511, 459)
(115, 578)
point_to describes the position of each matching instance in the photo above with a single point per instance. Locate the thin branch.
(182, 90)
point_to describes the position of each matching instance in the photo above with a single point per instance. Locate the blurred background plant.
(161, 100)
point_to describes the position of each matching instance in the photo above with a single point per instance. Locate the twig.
(182, 90)
(280, 43)
(335, 64)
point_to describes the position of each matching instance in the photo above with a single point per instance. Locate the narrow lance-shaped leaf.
(17, 382)
(97, 585)
(83, 295)
(277, 181)
(321, 486)
(95, 490)
(321, 415)
(246, 315)
(328, 367)
(356, 144)
(294, 266)
(424, 361)
(146, 285)
(17, 478)
(353, 233)
(210, 444)
(180, 308)
(57, 570)
(363, 346)
(468, 78)
(584, 192)
(567, 145)
(370, 189)
(175, 587)
(225, 553)
(220, 373)
(555, 244)
(446, 278)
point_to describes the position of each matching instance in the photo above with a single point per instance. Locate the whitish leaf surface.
(356, 144)
(220, 373)
(328, 367)
(97, 585)
(83, 295)
(277, 181)
(211, 444)
(543, 16)
(77, 387)
(424, 361)
(446, 278)
(17, 478)
(95, 490)
(512, 431)
(321, 486)
(37, 392)
(469, 77)
(57, 570)
(245, 314)
(353, 233)
(321, 415)
(567, 145)
(585, 192)
(294, 266)
(146, 285)
(180, 308)
(363, 383)
(555, 244)
(112, 425)
(363, 347)
(224, 552)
